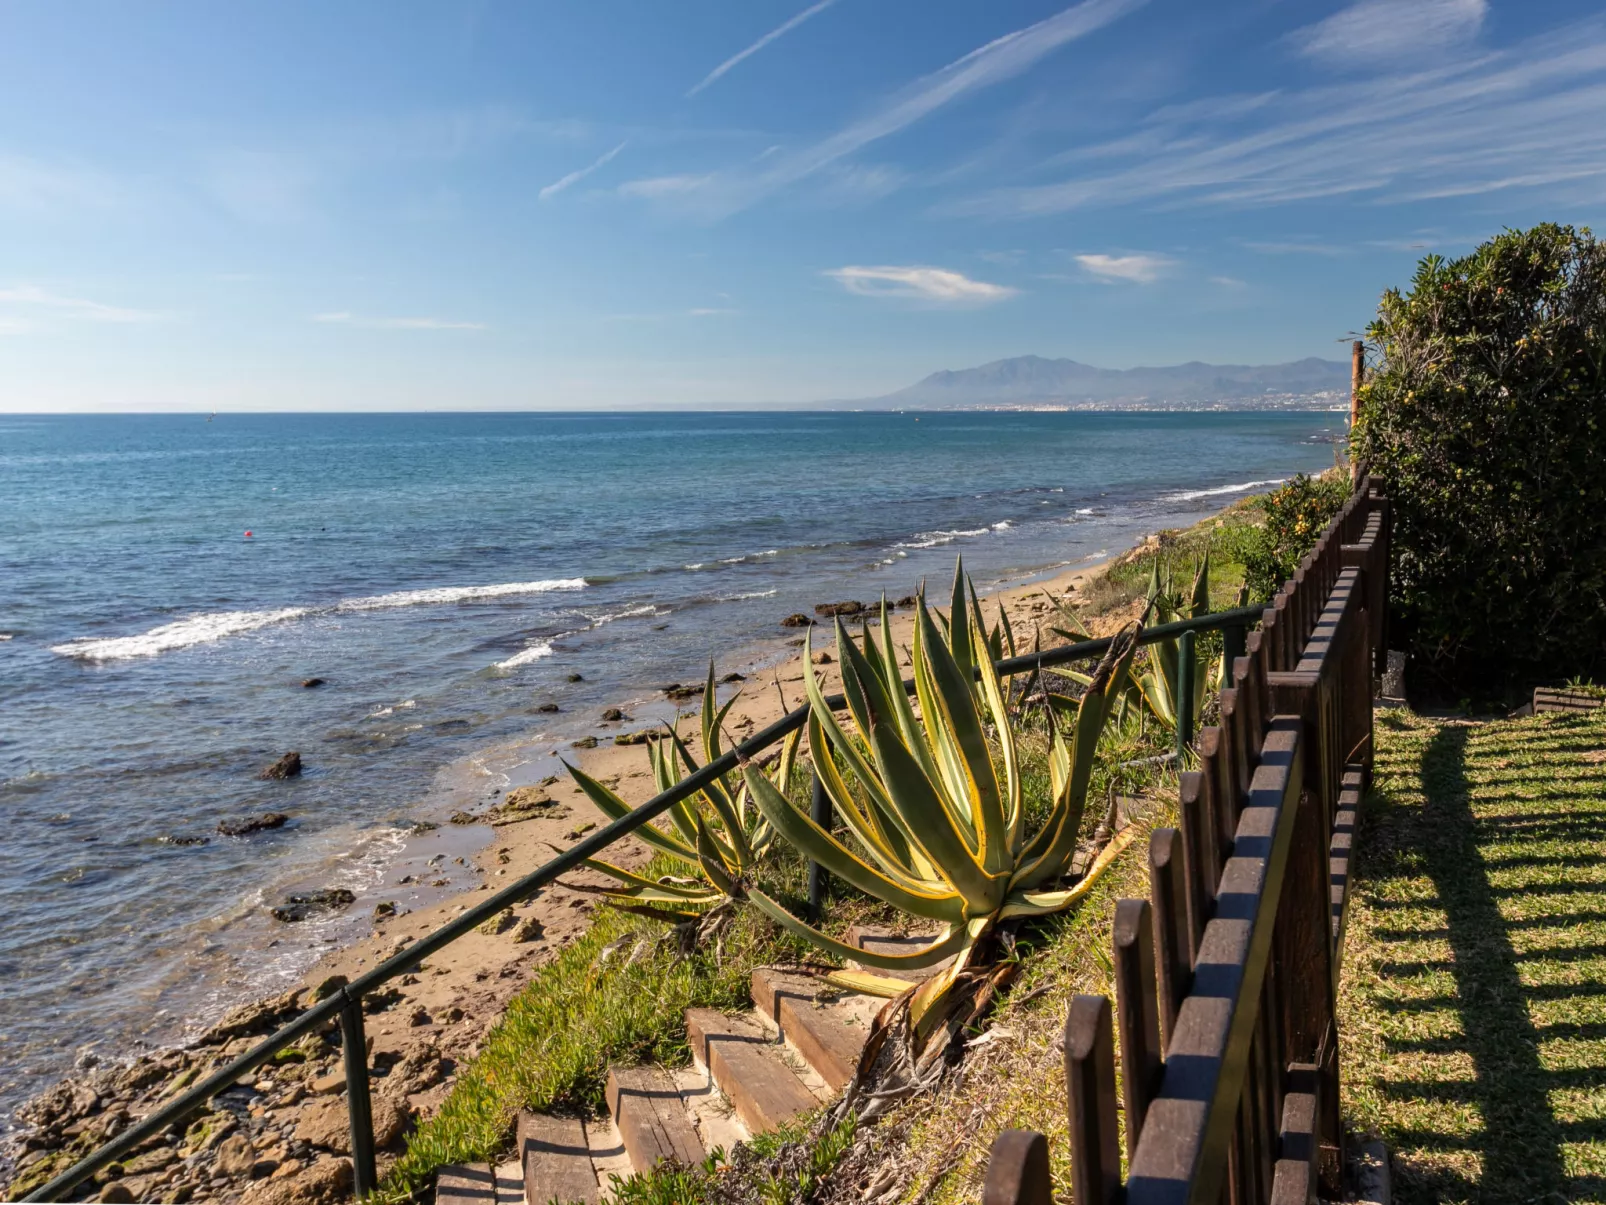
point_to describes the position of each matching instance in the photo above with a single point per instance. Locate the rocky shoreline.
(279, 1136)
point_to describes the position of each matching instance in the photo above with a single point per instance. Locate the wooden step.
(828, 1035)
(882, 941)
(556, 1160)
(652, 1118)
(747, 1067)
(465, 1184)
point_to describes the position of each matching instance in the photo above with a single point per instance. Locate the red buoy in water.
(248, 535)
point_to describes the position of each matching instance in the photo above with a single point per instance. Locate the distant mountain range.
(1032, 382)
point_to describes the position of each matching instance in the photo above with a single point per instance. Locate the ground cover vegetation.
(1473, 1003)
(1486, 420)
(618, 994)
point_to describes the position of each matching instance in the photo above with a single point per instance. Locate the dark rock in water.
(613, 714)
(464, 818)
(177, 839)
(387, 908)
(415, 827)
(548, 708)
(548, 780)
(288, 766)
(908, 600)
(669, 686)
(585, 742)
(299, 907)
(799, 620)
(451, 726)
(575, 678)
(850, 607)
(252, 824)
(638, 738)
(684, 692)
(729, 678)
(310, 683)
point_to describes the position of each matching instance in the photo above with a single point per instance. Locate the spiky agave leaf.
(938, 815)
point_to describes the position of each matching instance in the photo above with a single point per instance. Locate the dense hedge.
(1487, 421)
(1296, 514)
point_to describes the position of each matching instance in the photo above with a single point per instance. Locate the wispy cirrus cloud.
(347, 318)
(35, 298)
(718, 194)
(1523, 117)
(1134, 269)
(574, 177)
(780, 31)
(935, 285)
(1374, 30)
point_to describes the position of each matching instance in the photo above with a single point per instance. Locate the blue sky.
(607, 203)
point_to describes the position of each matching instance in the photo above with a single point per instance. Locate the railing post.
(1017, 1170)
(1184, 699)
(820, 813)
(354, 1047)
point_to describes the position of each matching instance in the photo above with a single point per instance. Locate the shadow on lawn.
(1483, 994)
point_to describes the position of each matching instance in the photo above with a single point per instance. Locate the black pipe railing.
(346, 1003)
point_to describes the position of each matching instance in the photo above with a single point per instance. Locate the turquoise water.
(446, 574)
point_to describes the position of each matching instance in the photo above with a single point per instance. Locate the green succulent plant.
(932, 797)
(717, 834)
(1160, 681)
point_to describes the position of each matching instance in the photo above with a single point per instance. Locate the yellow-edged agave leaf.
(868, 984)
(933, 799)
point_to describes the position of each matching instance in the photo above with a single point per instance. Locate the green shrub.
(1296, 515)
(1485, 422)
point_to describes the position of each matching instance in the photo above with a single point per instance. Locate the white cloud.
(722, 193)
(347, 318)
(72, 307)
(781, 30)
(1373, 30)
(662, 186)
(1137, 269)
(710, 311)
(1229, 282)
(1523, 117)
(575, 177)
(923, 284)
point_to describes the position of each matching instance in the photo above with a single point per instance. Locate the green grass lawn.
(1473, 1011)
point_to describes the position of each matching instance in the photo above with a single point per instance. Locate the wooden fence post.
(1090, 1098)
(1017, 1170)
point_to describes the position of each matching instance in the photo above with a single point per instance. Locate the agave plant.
(937, 817)
(1160, 682)
(718, 835)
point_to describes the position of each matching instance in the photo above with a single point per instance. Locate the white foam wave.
(1190, 495)
(695, 565)
(524, 656)
(1003, 525)
(452, 594)
(215, 625)
(750, 594)
(197, 629)
(4, 636)
(632, 613)
(1086, 510)
(934, 539)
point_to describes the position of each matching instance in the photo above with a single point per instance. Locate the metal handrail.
(346, 1002)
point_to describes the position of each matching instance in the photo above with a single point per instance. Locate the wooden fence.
(1226, 976)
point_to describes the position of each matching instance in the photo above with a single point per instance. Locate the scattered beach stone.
(585, 742)
(688, 691)
(797, 620)
(440, 882)
(384, 908)
(732, 677)
(416, 827)
(326, 1182)
(312, 683)
(613, 715)
(851, 606)
(248, 1020)
(378, 1001)
(548, 708)
(326, 1085)
(117, 1193)
(526, 803)
(421, 1067)
(299, 907)
(547, 781)
(235, 1156)
(575, 678)
(288, 766)
(182, 839)
(464, 818)
(638, 738)
(528, 929)
(823, 658)
(576, 833)
(329, 987)
(500, 923)
(252, 824)
(419, 1016)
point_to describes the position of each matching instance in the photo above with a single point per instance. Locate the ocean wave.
(1086, 510)
(934, 539)
(1190, 495)
(197, 629)
(524, 656)
(631, 613)
(749, 594)
(215, 625)
(453, 594)
(1002, 525)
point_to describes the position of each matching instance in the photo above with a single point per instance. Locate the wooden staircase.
(751, 1073)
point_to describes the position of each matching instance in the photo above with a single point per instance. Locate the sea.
(168, 583)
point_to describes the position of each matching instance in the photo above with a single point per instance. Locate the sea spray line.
(215, 625)
(534, 653)
(1190, 495)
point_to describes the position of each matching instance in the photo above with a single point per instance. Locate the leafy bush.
(1485, 424)
(1296, 515)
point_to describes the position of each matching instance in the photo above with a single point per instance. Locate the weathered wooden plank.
(1018, 1171)
(1090, 1101)
(1173, 953)
(1137, 1013)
